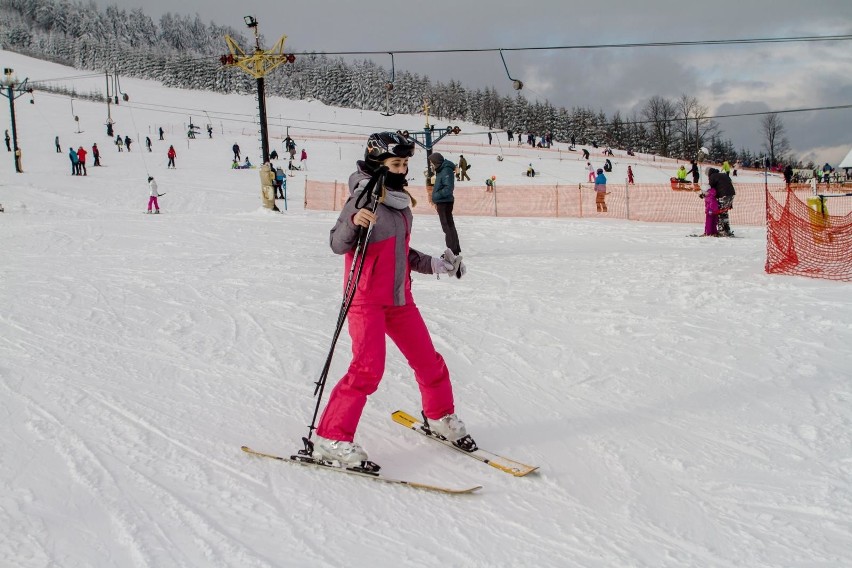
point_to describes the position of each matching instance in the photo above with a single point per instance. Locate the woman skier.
(383, 305)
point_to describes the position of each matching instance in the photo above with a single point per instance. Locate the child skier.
(490, 183)
(711, 210)
(600, 191)
(383, 305)
(152, 200)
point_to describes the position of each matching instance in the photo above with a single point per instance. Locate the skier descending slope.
(382, 304)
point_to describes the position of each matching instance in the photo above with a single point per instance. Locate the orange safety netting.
(639, 202)
(803, 238)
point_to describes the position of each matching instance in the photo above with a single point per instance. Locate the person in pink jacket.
(383, 305)
(711, 212)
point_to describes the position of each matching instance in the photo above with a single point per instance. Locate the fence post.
(305, 192)
(557, 199)
(494, 188)
(627, 197)
(334, 202)
(580, 194)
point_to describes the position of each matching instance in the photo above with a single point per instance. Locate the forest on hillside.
(182, 51)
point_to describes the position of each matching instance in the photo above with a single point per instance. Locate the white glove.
(459, 269)
(441, 266)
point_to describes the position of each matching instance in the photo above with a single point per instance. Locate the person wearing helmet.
(383, 305)
(442, 197)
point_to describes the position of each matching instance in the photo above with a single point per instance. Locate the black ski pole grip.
(372, 187)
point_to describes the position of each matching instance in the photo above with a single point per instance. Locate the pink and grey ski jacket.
(386, 277)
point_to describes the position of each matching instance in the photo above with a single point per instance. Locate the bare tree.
(693, 126)
(661, 113)
(774, 141)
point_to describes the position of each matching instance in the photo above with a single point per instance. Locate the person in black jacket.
(725, 193)
(694, 171)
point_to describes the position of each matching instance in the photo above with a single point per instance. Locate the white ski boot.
(451, 428)
(347, 453)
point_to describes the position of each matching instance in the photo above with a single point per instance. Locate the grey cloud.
(611, 79)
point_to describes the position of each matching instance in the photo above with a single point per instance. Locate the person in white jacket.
(152, 201)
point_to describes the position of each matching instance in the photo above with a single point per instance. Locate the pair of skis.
(501, 463)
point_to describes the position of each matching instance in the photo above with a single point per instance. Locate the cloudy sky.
(727, 79)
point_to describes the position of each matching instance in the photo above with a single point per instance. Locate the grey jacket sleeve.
(344, 234)
(419, 262)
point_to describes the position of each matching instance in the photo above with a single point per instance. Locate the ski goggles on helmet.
(384, 145)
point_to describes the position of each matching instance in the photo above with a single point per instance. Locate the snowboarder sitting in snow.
(383, 305)
(530, 171)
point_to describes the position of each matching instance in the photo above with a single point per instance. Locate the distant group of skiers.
(78, 161)
(290, 147)
(123, 143)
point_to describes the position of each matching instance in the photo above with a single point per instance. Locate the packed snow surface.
(685, 408)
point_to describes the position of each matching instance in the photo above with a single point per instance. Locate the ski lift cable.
(220, 116)
(743, 41)
(714, 42)
(135, 127)
(71, 77)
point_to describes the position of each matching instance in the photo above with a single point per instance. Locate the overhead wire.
(220, 115)
(626, 45)
(743, 41)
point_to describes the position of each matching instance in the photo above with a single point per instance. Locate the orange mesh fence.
(643, 202)
(809, 235)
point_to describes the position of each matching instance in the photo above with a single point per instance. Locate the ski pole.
(372, 190)
(349, 288)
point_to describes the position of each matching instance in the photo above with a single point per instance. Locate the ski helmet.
(384, 145)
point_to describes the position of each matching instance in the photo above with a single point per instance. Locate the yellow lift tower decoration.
(258, 65)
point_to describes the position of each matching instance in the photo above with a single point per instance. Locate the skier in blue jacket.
(442, 197)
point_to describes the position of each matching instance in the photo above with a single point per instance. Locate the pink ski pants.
(153, 201)
(368, 325)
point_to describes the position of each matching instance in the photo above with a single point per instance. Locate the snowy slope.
(686, 409)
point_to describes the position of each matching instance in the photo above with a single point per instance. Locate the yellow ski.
(504, 464)
(304, 460)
